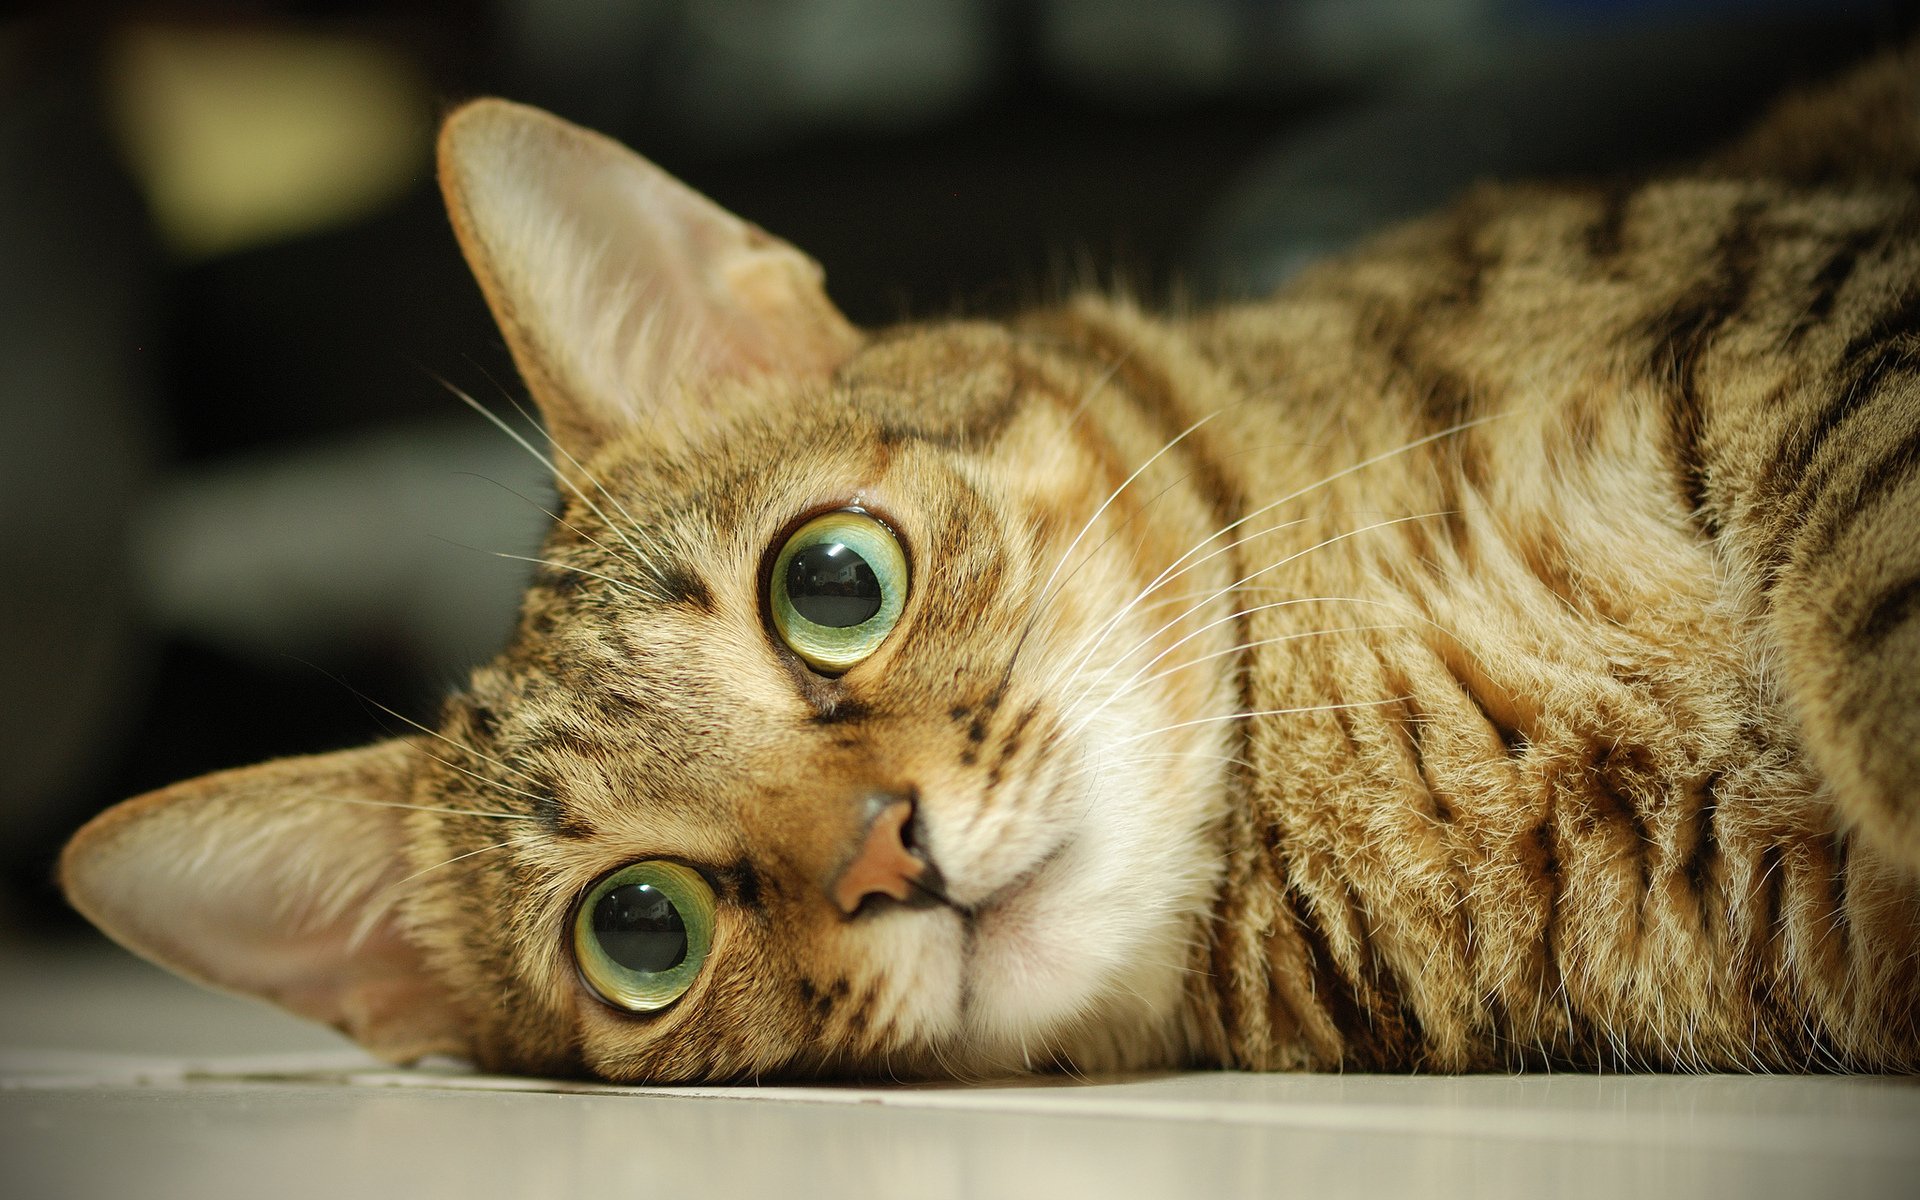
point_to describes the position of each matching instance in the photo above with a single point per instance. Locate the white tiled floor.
(117, 1081)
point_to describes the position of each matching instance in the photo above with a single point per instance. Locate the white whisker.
(492, 783)
(438, 736)
(1272, 641)
(576, 464)
(556, 518)
(1174, 569)
(1115, 495)
(1167, 575)
(548, 562)
(1232, 616)
(639, 558)
(1252, 575)
(1260, 712)
(451, 812)
(513, 841)
(1359, 466)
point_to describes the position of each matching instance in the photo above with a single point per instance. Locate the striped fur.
(1500, 650)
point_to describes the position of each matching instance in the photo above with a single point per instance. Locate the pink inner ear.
(275, 881)
(620, 290)
(379, 994)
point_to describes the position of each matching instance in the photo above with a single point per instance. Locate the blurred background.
(241, 509)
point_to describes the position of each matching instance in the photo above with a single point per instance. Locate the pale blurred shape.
(242, 137)
(391, 537)
(874, 63)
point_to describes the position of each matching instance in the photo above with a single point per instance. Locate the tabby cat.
(1499, 650)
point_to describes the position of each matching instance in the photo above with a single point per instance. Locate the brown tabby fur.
(1567, 545)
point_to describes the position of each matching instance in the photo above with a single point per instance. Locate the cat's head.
(835, 736)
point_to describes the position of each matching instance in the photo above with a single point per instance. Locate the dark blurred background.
(241, 511)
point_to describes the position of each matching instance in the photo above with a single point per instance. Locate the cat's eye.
(837, 589)
(641, 934)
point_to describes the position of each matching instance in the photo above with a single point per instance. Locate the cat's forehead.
(889, 423)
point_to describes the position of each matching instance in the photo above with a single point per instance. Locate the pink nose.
(887, 863)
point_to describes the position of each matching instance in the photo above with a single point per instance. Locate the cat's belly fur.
(1569, 819)
(1580, 829)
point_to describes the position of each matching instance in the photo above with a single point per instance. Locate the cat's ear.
(620, 290)
(276, 881)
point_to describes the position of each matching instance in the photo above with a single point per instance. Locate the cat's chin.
(1058, 959)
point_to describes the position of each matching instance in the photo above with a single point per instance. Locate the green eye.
(837, 589)
(642, 933)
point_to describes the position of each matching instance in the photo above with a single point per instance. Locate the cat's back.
(1578, 534)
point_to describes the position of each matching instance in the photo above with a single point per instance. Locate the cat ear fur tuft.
(275, 881)
(621, 291)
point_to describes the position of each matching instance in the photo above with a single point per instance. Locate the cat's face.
(673, 720)
(833, 738)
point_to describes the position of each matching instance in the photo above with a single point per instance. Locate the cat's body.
(1499, 650)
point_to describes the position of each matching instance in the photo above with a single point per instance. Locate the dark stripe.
(1896, 606)
(1447, 398)
(1547, 866)
(1681, 337)
(484, 720)
(1688, 425)
(1898, 355)
(1614, 773)
(1828, 280)
(1392, 1039)
(1470, 264)
(819, 1004)
(1873, 488)
(1330, 985)
(1442, 394)
(678, 584)
(1839, 922)
(1770, 880)
(481, 718)
(1606, 235)
(840, 710)
(1153, 393)
(1010, 745)
(1413, 725)
(1470, 456)
(1704, 853)
(746, 885)
(1788, 477)
(559, 580)
(976, 429)
(1798, 483)
(557, 818)
(1900, 321)
(1804, 444)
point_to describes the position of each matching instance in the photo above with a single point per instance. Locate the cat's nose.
(889, 863)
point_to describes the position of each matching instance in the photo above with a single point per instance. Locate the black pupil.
(639, 928)
(829, 584)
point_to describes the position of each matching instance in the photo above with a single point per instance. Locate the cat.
(1499, 650)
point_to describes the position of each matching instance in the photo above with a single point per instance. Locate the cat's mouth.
(1013, 889)
(1013, 958)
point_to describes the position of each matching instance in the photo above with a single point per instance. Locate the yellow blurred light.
(243, 137)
